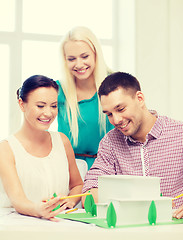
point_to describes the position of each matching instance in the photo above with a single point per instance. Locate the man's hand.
(178, 213)
(94, 192)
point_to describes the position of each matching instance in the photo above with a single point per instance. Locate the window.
(7, 15)
(30, 32)
(4, 96)
(56, 17)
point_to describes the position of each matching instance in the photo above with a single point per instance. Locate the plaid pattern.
(161, 156)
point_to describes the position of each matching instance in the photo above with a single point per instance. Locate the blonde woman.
(80, 116)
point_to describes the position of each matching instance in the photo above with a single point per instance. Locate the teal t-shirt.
(89, 129)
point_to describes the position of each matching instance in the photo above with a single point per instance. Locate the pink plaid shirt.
(161, 155)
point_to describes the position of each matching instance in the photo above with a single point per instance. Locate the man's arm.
(94, 192)
(104, 165)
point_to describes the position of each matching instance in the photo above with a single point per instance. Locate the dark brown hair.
(116, 80)
(34, 82)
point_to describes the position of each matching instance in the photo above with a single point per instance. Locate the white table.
(14, 226)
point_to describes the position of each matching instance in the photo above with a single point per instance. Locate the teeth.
(123, 126)
(44, 120)
(82, 71)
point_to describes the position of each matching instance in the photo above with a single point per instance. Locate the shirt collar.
(153, 134)
(157, 128)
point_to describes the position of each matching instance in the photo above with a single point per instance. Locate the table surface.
(16, 226)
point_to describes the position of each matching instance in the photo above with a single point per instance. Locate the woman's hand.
(45, 209)
(66, 203)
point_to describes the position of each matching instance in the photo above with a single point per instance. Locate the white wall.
(176, 58)
(156, 50)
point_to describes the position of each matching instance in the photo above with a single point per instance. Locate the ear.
(140, 97)
(21, 104)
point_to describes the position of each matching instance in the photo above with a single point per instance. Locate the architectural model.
(136, 199)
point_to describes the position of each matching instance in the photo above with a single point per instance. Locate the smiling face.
(80, 59)
(40, 109)
(125, 111)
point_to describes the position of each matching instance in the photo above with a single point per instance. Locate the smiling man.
(125, 107)
(142, 143)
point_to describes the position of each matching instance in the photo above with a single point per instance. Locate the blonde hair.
(68, 83)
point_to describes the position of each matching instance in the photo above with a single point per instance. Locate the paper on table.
(6, 211)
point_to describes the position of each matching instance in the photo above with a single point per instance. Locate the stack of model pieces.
(136, 199)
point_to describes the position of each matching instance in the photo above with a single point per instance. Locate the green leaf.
(111, 216)
(89, 202)
(152, 213)
(56, 208)
(55, 195)
(94, 210)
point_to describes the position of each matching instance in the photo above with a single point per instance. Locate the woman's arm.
(14, 190)
(75, 183)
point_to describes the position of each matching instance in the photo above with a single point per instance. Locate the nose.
(47, 111)
(117, 119)
(79, 63)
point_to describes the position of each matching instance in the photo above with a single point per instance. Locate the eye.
(54, 106)
(70, 59)
(40, 106)
(121, 109)
(85, 56)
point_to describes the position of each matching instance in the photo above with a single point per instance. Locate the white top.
(40, 177)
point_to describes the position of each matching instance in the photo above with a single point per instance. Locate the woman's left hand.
(45, 208)
(66, 203)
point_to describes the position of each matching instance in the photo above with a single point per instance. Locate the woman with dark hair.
(36, 163)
